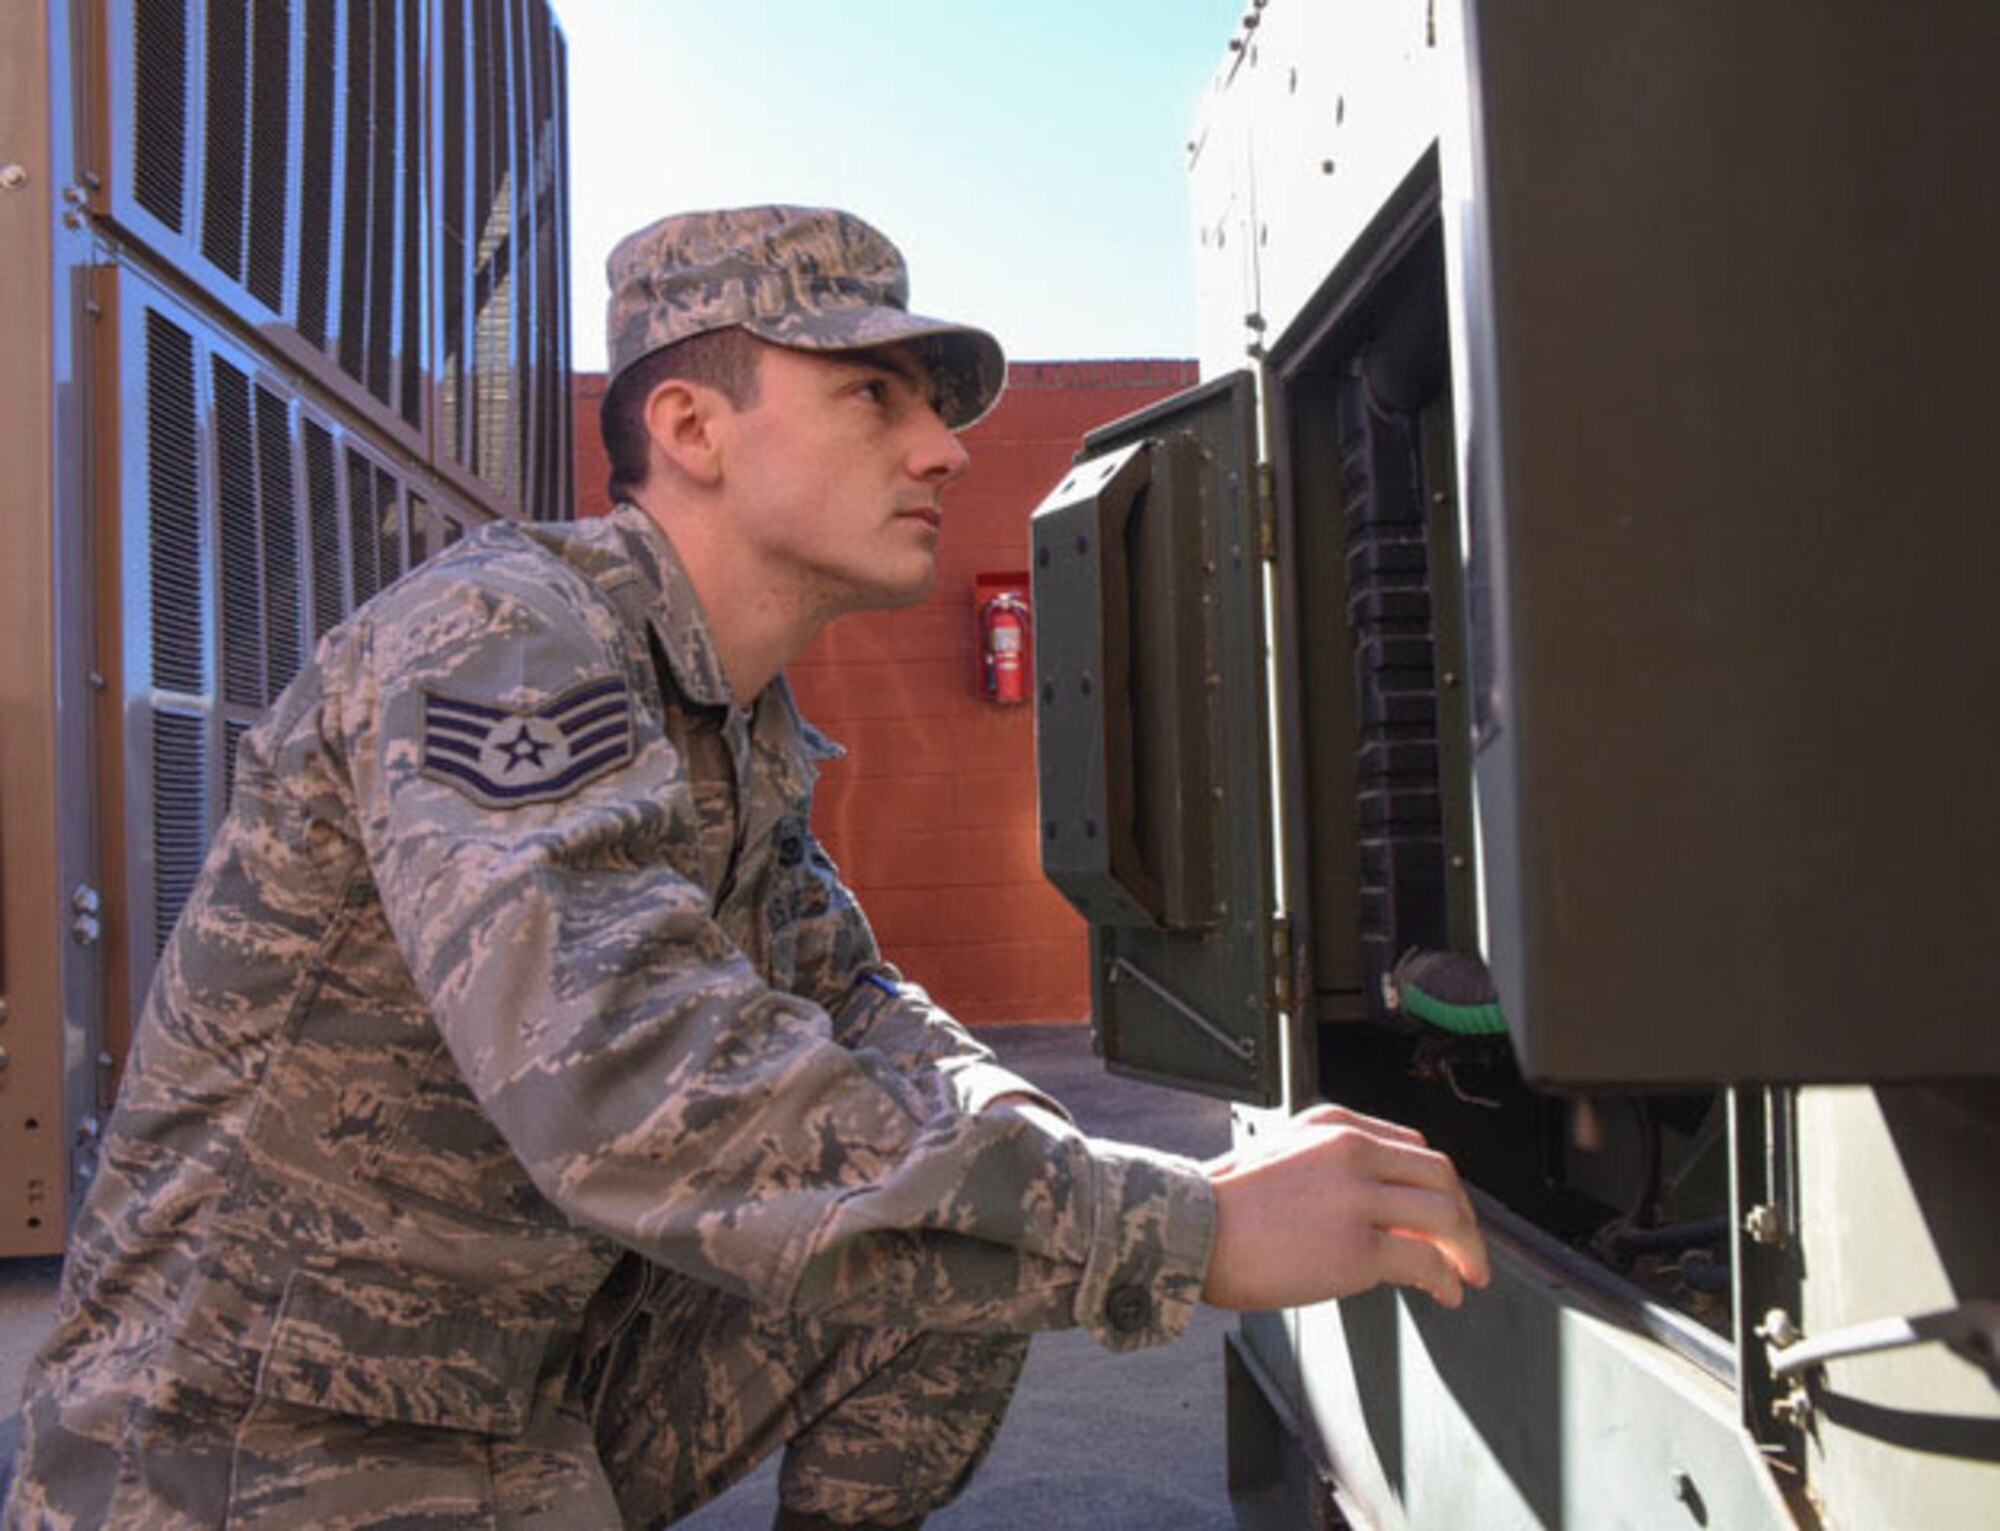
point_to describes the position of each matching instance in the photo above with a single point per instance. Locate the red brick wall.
(931, 816)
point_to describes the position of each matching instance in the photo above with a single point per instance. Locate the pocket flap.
(390, 1355)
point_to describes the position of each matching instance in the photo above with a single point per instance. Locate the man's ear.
(680, 421)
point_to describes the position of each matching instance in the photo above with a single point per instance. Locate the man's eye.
(875, 391)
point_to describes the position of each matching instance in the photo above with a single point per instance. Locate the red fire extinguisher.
(1003, 645)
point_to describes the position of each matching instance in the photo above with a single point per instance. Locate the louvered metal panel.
(328, 586)
(177, 785)
(283, 575)
(378, 187)
(243, 508)
(503, 405)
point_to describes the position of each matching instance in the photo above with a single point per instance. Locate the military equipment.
(1540, 688)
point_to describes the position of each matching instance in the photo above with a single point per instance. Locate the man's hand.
(1333, 1205)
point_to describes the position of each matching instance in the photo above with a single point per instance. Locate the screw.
(13, 177)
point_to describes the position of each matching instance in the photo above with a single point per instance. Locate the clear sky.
(1028, 156)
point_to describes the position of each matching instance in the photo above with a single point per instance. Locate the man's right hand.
(1334, 1204)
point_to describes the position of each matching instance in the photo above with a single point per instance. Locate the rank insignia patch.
(503, 757)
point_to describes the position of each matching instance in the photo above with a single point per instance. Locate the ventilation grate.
(180, 827)
(283, 582)
(225, 139)
(271, 83)
(173, 490)
(242, 554)
(232, 740)
(387, 178)
(159, 108)
(329, 587)
(319, 100)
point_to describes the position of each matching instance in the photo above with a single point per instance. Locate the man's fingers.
(1408, 1259)
(1442, 1219)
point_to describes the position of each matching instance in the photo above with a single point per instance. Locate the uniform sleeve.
(535, 845)
(838, 966)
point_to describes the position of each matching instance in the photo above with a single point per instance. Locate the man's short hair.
(725, 360)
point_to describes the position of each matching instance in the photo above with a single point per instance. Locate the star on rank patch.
(503, 757)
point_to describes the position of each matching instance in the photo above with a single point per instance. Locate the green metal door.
(1154, 741)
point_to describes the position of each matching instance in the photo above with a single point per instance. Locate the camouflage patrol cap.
(814, 279)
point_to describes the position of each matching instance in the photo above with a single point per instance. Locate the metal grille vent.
(284, 640)
(375, 519)
(329, 581)
(317, 129)
(174, 493)
(232, 736)
(253, 511)
(242, 558)
(309, 164)
(502, 370)
(271, 88)
(261, 640)
(180, 827)
(231, 183)
(419, 529)
(159, 107)
(225, 139)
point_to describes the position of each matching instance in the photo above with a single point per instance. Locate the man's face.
(835, 473)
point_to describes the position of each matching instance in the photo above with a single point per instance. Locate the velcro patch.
(504, 757)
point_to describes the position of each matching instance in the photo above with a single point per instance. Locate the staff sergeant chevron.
(504, 757)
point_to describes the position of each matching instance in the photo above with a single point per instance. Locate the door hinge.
(1267, 513)
(1281, 962)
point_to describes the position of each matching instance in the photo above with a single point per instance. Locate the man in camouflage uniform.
(523, 1127)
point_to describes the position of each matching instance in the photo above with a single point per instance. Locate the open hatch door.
(1154, 744)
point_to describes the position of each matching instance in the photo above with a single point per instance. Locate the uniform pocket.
(387, 1355)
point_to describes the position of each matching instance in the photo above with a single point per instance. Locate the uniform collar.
(681, 624)
(678, 619)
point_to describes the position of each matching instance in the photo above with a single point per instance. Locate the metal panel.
(1155, 774)
(1730, 310)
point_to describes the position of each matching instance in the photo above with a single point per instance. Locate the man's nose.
(938, 455)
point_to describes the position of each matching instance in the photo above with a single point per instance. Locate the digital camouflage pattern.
(515, 965)
(814, 279)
